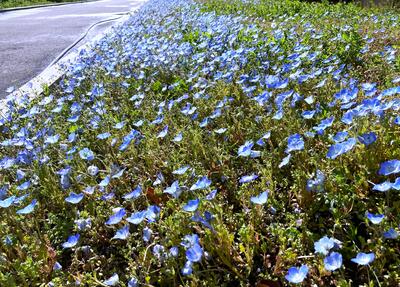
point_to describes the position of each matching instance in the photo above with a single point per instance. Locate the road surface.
(31, 39)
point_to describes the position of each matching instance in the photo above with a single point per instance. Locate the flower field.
(212, 143)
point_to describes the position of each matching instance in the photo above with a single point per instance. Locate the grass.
(234, 135)
(4, 4)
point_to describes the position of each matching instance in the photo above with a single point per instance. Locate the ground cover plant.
(209, 143)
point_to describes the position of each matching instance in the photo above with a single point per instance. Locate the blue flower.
(323, 125)
(248, 178)
(295, 142)
(86, 154)
(163, 133)
(316, 184)
(181, 170)
(194, 253)
(133, 282)
(375, 218)
(245, 150)
(390, 234)
(384, 186)
(333, 261)
(202, 183)
(297, 275)
(112, 281)
(367, 138)
(211, 195)
(178, 137)
(74, 198)
(122, 233)
(147, 234)
(133, 194)
(389, 167)
(52, 139)
(324, 245)
(137, 217)
(363, 258)
(260, 199)
(71, 241)
(192, 205)
(174, 189)
(57, 266)
(29, 208)
(340, 148)
(5, 203)
(187, 269)
(285, 161)
(116, 217)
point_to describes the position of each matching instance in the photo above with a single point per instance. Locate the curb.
(43, 6)
(34, 87)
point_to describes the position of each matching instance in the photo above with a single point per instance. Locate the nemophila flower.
(285, 161)
(119, 125)
(194, 253)
(24, 186)
(260, 199)
(340, 148)
(389, 167)
(105, 181)
(163, 133)
(147, 232)
(187, 269)
(333, 261)
(71, 241)
(117, 216)
(340, 136)
(122, 233)
(384, 186)
(390, 234)
(367, 138)
(20, 174)
(5, 203)
(181, 170)
(220, 131)
(112, 281)
(363, 258)
(192, 205)
(261, 141)
(211, 195)
(133, 282)
(317, 183)
(174, 189)
(52, 139)
(28, 209)
(308, 114)
(74, 198)
(178, 137)
(174, 251)
(137, 217)
(324, 245)
(375, 218)
(248, 178)
(201, 183)
(245, 150)
(103, 136)
(295, 142)
(152, 213)
(133, 194)
(297, 274)
(324, 124)
(57, 266)
(86, 154)
(89, 190)
(83, 223)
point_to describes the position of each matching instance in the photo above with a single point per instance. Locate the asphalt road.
(31, 39)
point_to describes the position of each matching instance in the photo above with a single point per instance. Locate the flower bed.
(198, 148)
